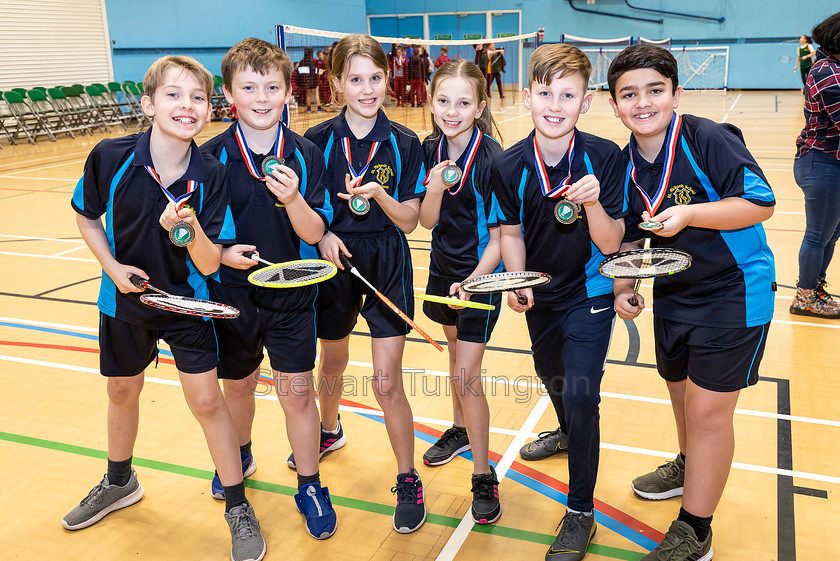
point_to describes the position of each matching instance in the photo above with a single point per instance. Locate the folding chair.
(29, 123)
(117, 98)
(76, 118)
(53, 119)
(102, 103)
(5, 114)
(132, 96)
(91, 117)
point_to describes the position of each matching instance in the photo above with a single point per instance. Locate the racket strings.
(646, 264)
(295, 274)
(189, 305)
(505, 282)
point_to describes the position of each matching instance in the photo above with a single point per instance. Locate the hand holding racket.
(182, 304)
(508, 281)
(354, 271)
(290, 274)
(332, 247)
(643, 264)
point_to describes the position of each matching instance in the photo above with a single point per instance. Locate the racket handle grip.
(633, 301)
(521, 299)
(249, 254)
(345, 262)
(138, 281)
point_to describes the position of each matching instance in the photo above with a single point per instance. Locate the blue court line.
(543, 489)
(539, 487)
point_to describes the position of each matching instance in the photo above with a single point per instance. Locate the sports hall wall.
(758, 32)
(140, 33)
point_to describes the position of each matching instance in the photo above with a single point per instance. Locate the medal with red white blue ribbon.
(181, 234)
(652, 204)
(357, 203)
(565, 211)
(269, 162)
(452, 174)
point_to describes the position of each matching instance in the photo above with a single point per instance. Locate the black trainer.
(576, 531)
(411, 504)
(486, 507)
(451, 443)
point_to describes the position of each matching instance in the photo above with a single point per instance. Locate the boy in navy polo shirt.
(697, 179)
(559, 192)
(279, 216)
(130, 180)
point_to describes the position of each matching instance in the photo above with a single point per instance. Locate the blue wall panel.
(142, 32)
(758, 32)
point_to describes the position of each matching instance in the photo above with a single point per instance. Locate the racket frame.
(455, 301)
(292, 264)
(140, 282)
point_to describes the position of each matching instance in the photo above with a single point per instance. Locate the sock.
(462, 429)
(702, 526)
(235, 495)
(307, 479)
(119, 472)
(682, 457)
(246, 448)
(573, 511)
(337, 426)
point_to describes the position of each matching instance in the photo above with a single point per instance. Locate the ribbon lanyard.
(670, 155)
(542, 174)
(345, 146)
(246, 152)
(468, 160)
(179, 201)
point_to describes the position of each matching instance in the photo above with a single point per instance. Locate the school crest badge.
(681, 194)
(382, 173)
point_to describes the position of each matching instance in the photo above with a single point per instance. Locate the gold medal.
(359, 205)
(566, 212)
(451, 175)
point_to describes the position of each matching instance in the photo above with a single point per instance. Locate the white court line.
(41, 179)
(731, 107)
(24, 162)
(456, 540)
(784, 212)
(542, 404)
(50, 166)
(40, 239)
(725, 117)
(492, 381)
(60, 253)
(48, 256)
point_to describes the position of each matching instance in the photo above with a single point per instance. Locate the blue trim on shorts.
(752, 362)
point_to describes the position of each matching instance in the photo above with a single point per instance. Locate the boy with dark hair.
(137, 181)
(560, 200)
(698, 182)
(280, 216)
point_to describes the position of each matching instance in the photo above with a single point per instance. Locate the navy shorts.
(127, 349)
(474, 326)
(385, 261)
(717, 359)
(281, 320)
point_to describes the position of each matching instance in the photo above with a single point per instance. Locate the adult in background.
(804, 58)
(817, 172)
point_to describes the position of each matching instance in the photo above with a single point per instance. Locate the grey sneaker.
(101, 501)
(247, 541)
(664, 482)
(576, 531)
(547, 444)
(451, 443)
(680, 544)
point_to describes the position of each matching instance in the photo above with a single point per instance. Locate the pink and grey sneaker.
(330, 441)
(411, 503)
(486, 507)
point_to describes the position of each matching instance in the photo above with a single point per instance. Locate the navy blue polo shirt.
(730, 281)
(116, 184)
(463, 229)
(396, 166)
(565, 251)
(260, 218)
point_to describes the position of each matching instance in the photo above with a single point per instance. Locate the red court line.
(526, 470)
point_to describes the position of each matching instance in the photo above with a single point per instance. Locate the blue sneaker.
(313, 502)
(249, 466)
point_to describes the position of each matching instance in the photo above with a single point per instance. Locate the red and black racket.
(182, 304)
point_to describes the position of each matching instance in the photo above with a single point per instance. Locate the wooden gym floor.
(779, 505)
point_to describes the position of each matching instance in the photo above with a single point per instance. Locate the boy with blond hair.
(137, 181)
(560, 200)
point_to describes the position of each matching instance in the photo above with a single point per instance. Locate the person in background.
(804, 58)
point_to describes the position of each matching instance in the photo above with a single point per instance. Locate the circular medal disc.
(565, 211)
(182, 234)
(650, 225)
(359, 205)
(270, 163)
(451, 175)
